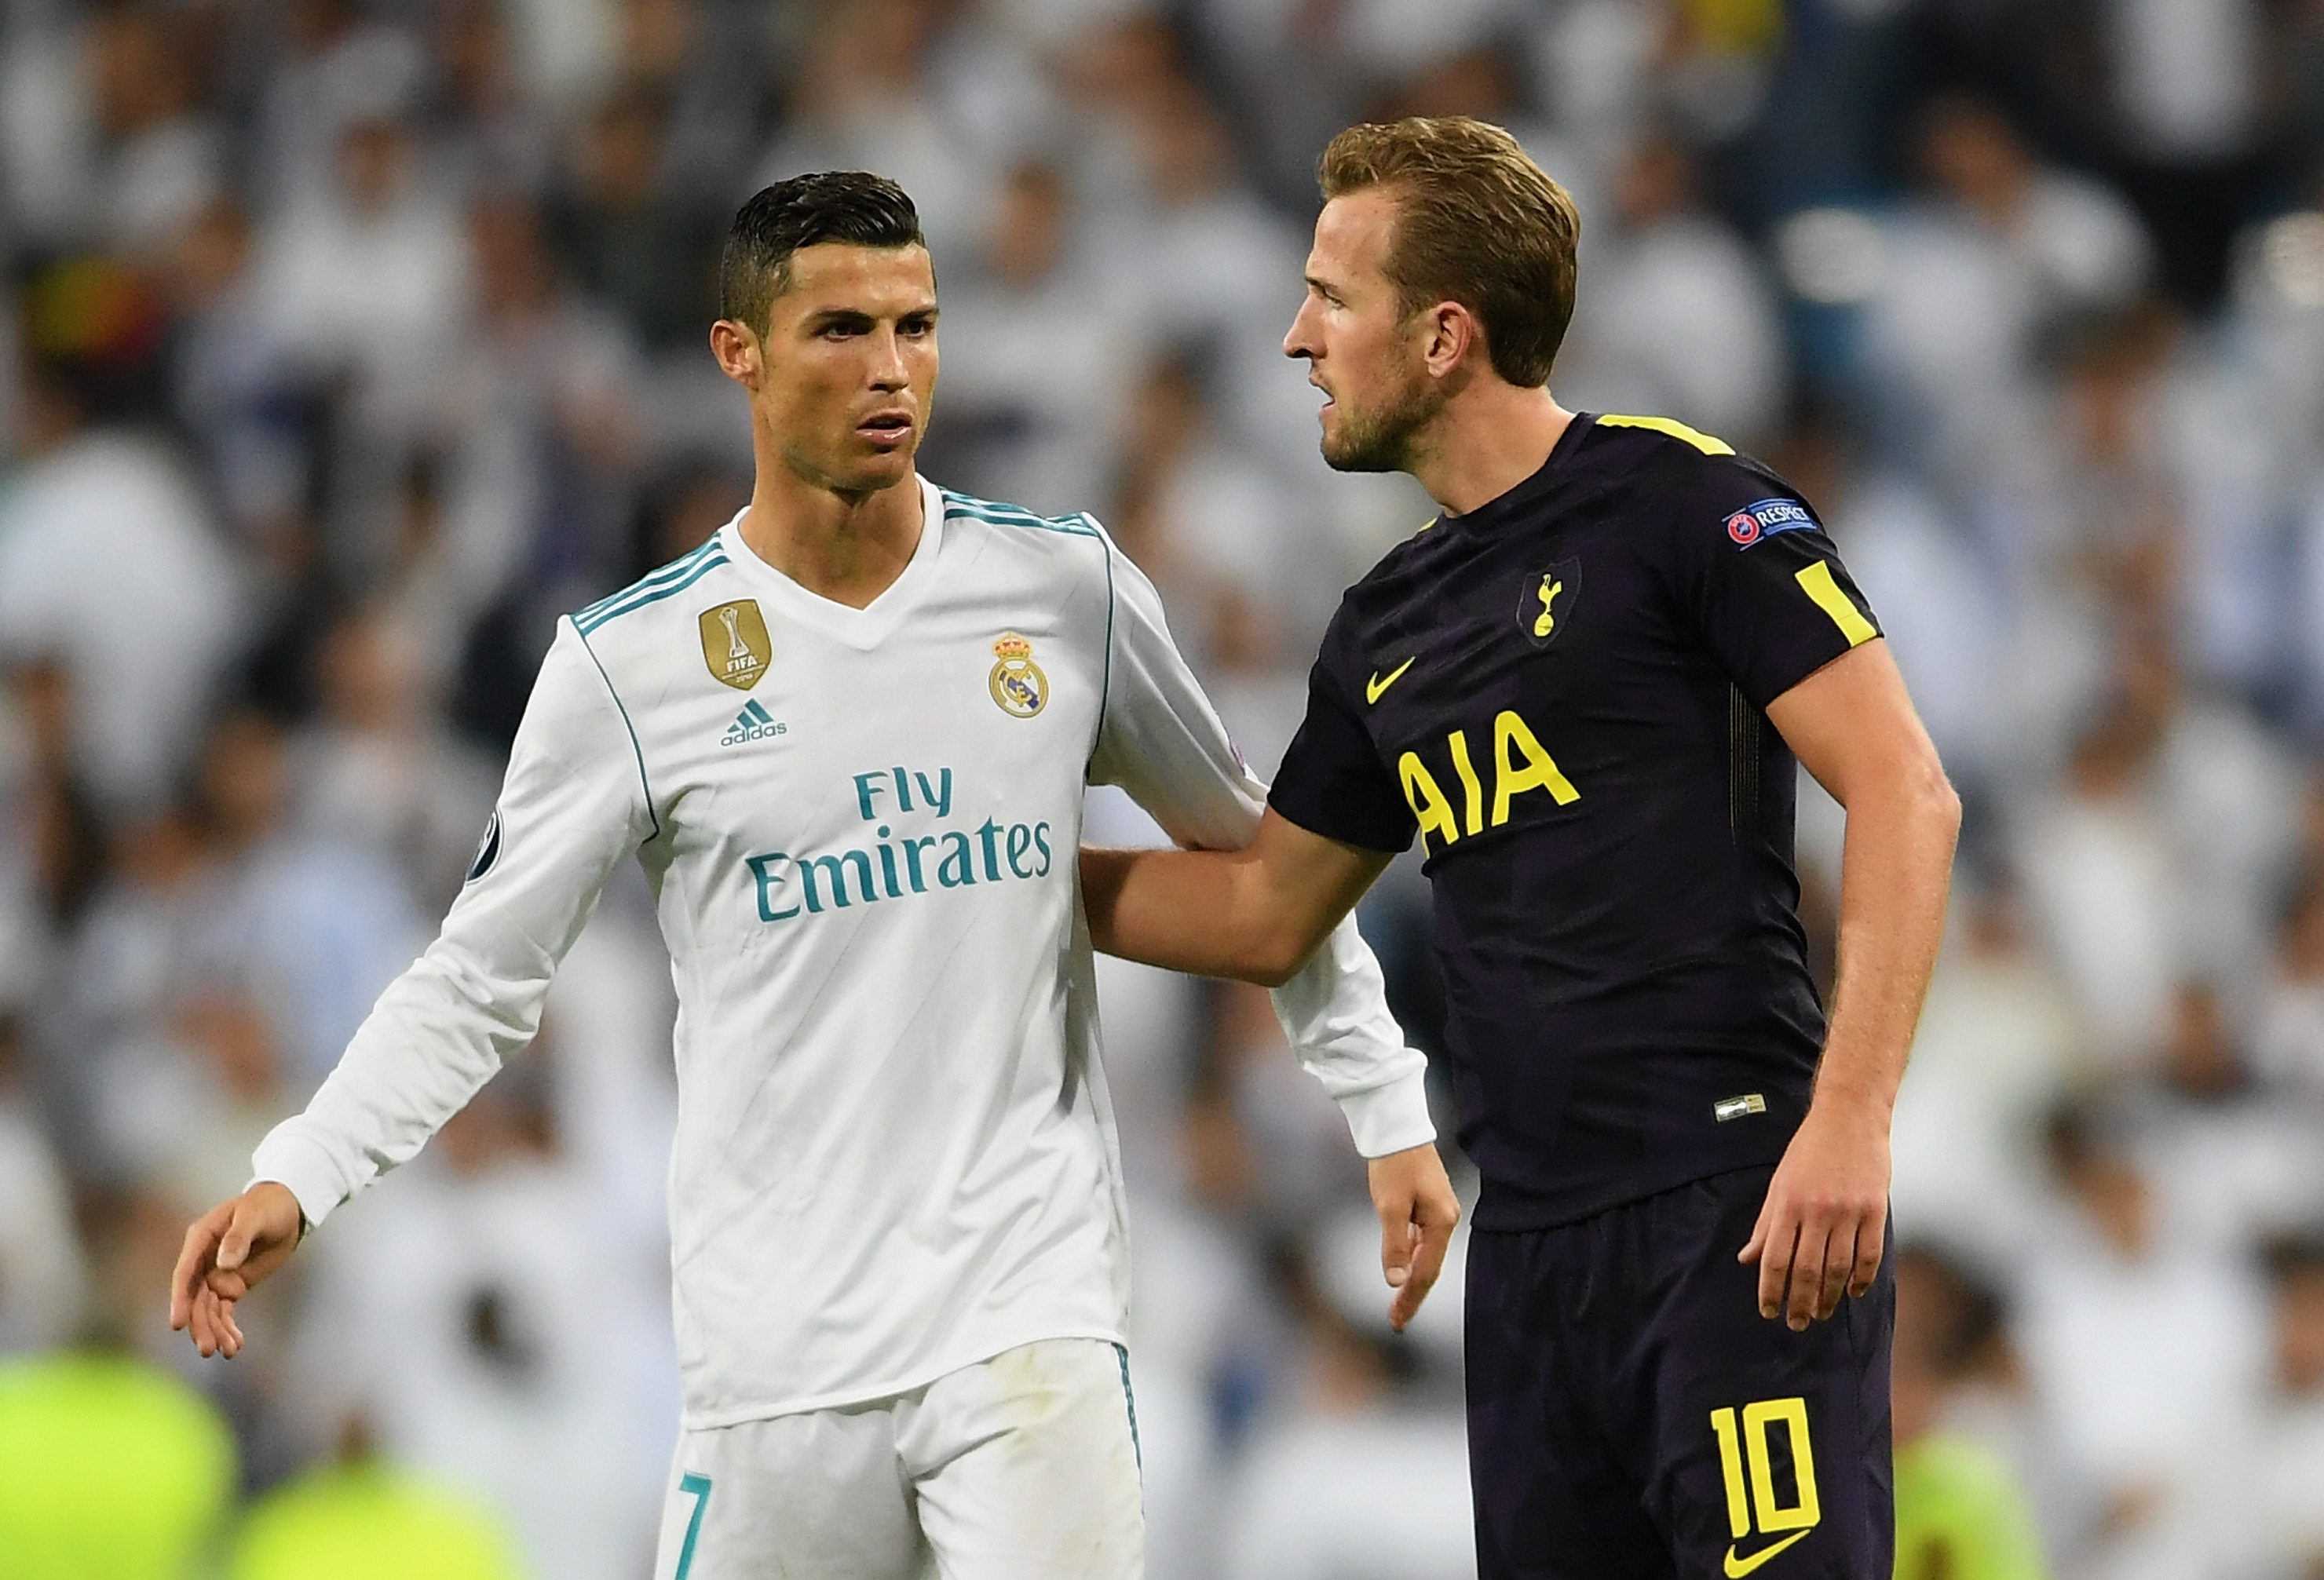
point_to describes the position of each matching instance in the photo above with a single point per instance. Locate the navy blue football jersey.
(1562, 694)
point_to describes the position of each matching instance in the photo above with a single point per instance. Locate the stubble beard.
(1382, 439)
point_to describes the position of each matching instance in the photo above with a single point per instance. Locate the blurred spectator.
(487, 131)
(242, 395)
(2145, 1349)
(362, 1518)
(108, 563)
(1996, 1048)
(108, 1468)
(109, 1465)
(2234, 1166)
(631, 239)
(1208, 265)
(1037, 341)
(380, 770)
(42, 1279)
(366, 272)
(2287, 1453)
(190, 1095)
(2290, 1050)
(1340, 1485)
(1221, 536)
(51, 840)
(330, 67)
(311, 927)
(2186, 89)
(1959, 1513)
(2105, 884)
(2000, 248)
(162, 163)
(864, 102)
(1677, 317)
(467, 1317)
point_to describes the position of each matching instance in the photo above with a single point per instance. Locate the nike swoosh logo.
(1738, 1567)
(1375, 686)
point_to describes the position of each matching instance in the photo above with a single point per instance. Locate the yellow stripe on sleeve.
(1674, 428)
(1816, 581)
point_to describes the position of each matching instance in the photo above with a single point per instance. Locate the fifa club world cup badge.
(1017, 684)
(734, 644)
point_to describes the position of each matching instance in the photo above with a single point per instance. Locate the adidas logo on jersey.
(752, 723)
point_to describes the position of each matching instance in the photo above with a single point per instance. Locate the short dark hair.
(854, 206)
(1477, 223)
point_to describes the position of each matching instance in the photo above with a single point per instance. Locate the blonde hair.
(1477, 223)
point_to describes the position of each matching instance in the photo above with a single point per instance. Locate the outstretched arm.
(1161, 742)
(1825, 1220)
(1255, 914)
(573, 804)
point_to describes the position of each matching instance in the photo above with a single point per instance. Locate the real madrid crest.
(1017, 684)
(734, 643)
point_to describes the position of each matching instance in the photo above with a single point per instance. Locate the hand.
(231, 1250)
(1418, 1210)
(1826, 1216)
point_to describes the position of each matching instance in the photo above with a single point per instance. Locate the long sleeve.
(1160, 740)
(573, 804)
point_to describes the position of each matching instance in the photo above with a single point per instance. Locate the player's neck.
(848, 549)
(1489, 437)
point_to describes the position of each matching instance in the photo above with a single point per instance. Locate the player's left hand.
(1826, 1217)
(1418, 1210)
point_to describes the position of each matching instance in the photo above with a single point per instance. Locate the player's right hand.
(229, 1250)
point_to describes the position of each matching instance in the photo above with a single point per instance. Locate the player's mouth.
(885, 429)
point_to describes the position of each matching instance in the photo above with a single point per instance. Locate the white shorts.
(1021, 1467)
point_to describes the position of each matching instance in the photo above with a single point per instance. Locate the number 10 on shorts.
(1744, 1455)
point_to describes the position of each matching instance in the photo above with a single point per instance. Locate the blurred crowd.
(350, 342)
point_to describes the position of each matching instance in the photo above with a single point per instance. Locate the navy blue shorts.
(1632, 1417)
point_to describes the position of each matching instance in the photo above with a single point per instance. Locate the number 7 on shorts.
(699, 1485)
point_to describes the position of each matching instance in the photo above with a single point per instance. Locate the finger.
(1436, 1237)
(1838, 1265)
(1777, 1243)
(234, 1245)
(1756, 1245)
(226, 1338)
(1807, 1275)
(1395, 1240)
(193, 1261)
(1871, 1241)
(228, 1286)
(204, 1336)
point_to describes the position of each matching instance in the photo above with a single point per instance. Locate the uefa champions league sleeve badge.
(1017, 684)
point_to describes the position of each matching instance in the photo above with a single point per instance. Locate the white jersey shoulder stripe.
(670, 580)
(1003, 515)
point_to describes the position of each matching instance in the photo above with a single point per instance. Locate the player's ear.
(1450, 333)
(737, 351)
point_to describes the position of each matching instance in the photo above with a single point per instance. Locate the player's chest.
(1503, 686)
(1556, 630)
(782, 735)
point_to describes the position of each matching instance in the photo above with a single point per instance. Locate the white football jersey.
(894, 1154)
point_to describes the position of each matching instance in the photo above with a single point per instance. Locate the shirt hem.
(1497, 1215)
(692, 1420)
